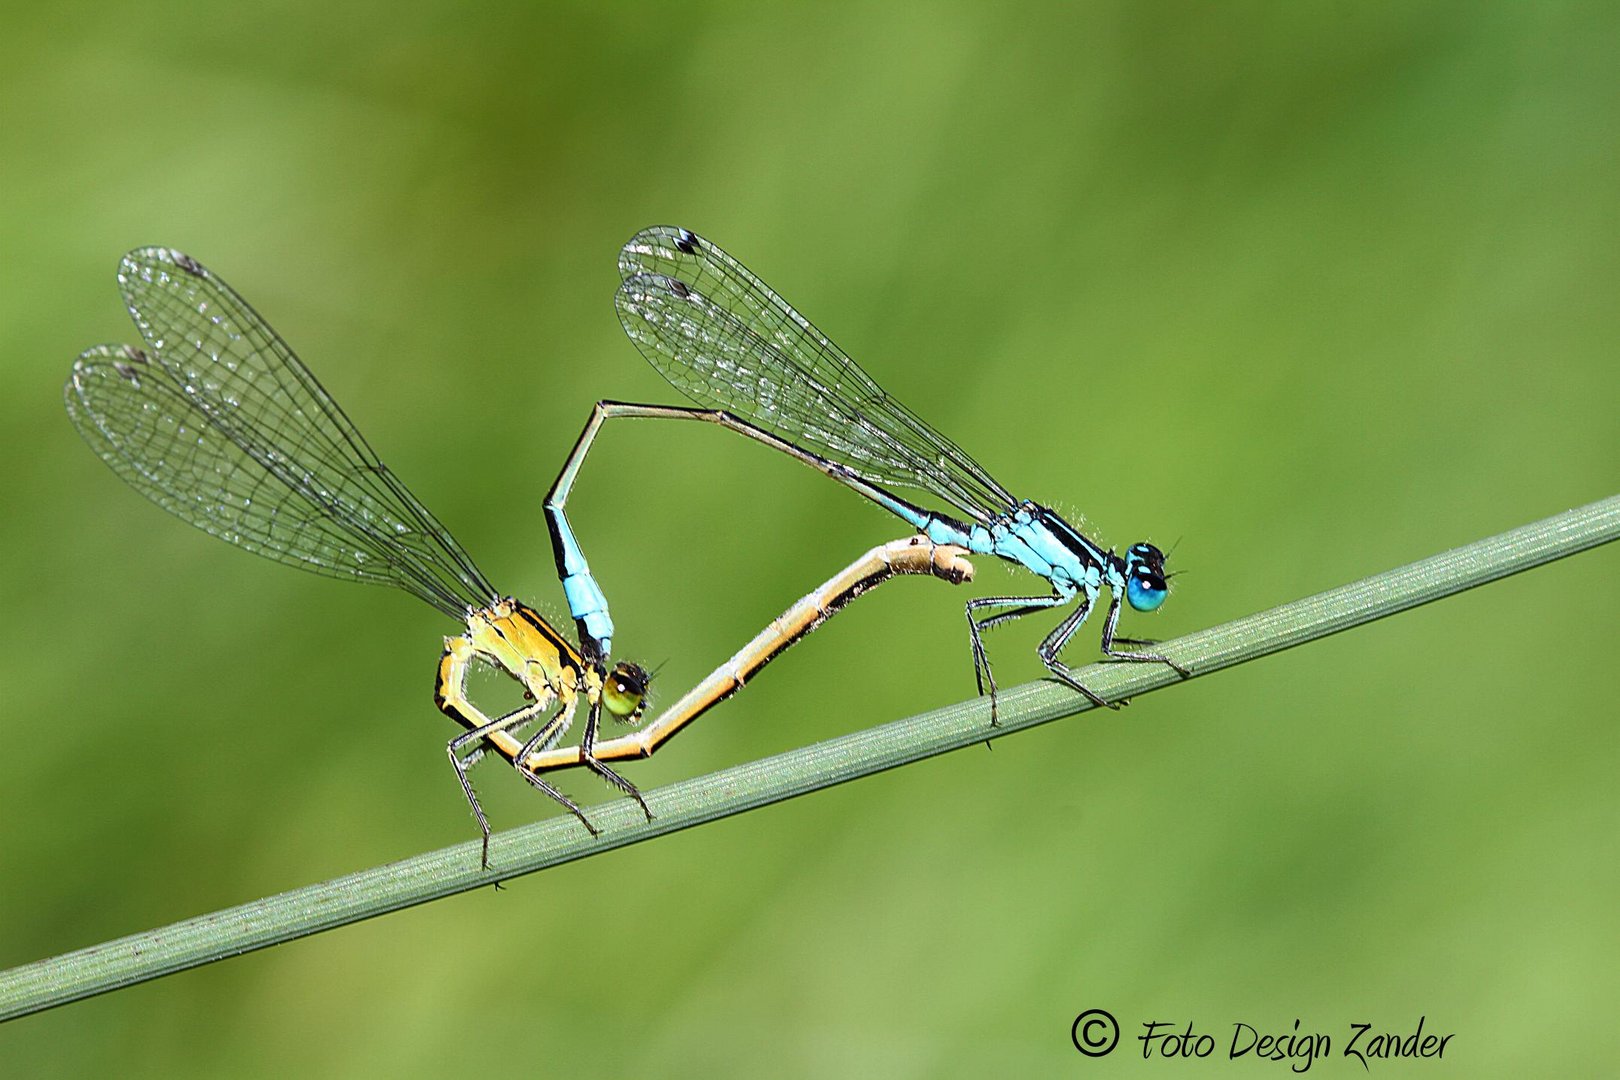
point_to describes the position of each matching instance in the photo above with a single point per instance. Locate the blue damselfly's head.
(1145, 586)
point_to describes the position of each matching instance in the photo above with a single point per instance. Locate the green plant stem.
(46, 983)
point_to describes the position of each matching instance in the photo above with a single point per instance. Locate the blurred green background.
(1308, 291)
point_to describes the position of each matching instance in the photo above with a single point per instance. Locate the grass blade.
(269, 921)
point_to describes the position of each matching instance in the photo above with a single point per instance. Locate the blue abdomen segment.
(945, 531)
(938, 528)
(589, 608)
(586, 601)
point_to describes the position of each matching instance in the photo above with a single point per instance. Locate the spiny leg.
(547, 738)
(587, 754)
(1109, 641)
(1059, 637)
(462, 765)
(1021, 605)
(450, 694)
(544, 739)
(541, 784)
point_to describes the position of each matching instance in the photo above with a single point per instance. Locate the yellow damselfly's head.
(624, 692)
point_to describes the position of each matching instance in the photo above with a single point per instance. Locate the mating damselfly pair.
(217, 420)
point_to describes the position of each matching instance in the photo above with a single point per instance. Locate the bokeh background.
(1307, 291)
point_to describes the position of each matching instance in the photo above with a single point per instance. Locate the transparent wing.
(727, 341)
(219, 423)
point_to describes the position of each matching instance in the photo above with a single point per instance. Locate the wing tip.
(658, 245)
(143, 258)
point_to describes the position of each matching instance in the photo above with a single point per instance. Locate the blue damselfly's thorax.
(1040, 540)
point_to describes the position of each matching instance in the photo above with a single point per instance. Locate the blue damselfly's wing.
(726, 340)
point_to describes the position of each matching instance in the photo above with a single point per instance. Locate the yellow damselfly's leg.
(450, 695)
(591, 761)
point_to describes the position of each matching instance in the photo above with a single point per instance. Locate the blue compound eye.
(1145, 589)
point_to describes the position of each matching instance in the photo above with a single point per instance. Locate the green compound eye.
(624, 692)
